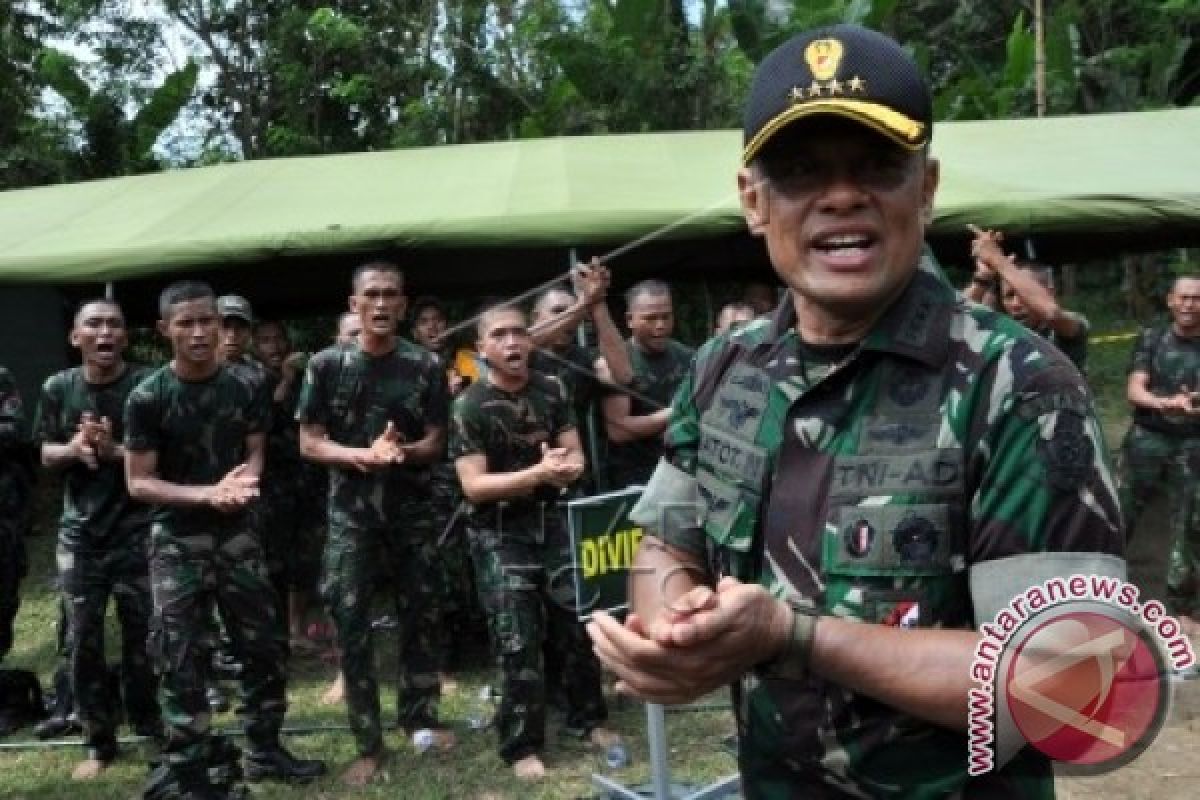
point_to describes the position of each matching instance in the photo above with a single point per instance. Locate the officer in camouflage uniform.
(374, 412)
(194, 449)
(15, 487)
(515, 447)
(1162, 447)
(102, 536)
(879, 454)
(635, 420)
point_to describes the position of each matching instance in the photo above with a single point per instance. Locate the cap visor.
(903, 130)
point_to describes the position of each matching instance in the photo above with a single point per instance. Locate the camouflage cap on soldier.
(844, 70)
(233, 305)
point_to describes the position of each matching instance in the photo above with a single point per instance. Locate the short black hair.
(425, 302)
(548, 293)
(1187, 276)
(375, 266)
(491, 305)
(102, 301)
(652, 287)
(182, 292)
(269, 323)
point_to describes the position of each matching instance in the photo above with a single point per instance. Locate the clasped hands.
(387, 449)
(93, 440)
(702, 641)
(557, 468)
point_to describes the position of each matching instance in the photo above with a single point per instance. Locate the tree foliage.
(282, 78)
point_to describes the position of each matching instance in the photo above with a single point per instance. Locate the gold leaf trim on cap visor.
(903, 130)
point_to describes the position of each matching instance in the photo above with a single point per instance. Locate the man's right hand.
(382, 453)
(235, 490)
(556, 468)
(81, 444)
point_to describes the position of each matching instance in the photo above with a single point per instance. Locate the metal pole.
(656, 738)
(590, 422)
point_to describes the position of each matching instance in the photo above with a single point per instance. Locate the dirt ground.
(1168, 770)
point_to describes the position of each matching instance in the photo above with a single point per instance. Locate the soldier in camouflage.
(1025, 291)
(15, 490)
(292, 525)
(516, 449)
(460, 618)
(374, 412)
(1162, 447)
(583, 371)
(635, 420)
(855, 484)
(103, 534)
(194, 440)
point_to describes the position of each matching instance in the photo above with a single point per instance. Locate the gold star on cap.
(857, 84)
(814, 89)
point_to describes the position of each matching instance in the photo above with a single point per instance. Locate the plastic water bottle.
(480, 717)
(423, 739)
(616, 756)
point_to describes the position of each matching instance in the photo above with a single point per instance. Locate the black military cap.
(845, 70)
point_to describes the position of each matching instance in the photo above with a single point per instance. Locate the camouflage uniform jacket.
(1172, 362)
(354, 395)
(880, 487)
(509, 429)
(655, 379)
(199, 430)
(97, 509)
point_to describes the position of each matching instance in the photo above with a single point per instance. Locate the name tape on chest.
(932, 471)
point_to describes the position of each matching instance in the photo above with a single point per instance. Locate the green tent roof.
(1117, 180)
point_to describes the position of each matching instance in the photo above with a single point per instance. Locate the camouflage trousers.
(12, 570)
(353, 558)
(527, 591)
(461, 619)
(1153, 461)
(88, 579)
(191, 575)
(291, 524)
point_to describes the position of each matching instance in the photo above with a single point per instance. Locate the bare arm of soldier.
(1139, 395)
(56, 455)
(315, 445)
(623, 426)
(481, 486)
(141, 476)
(428, 449)
(612, 347)
(256, 449)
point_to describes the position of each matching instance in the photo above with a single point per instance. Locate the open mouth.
(845, 245)
(105, 348)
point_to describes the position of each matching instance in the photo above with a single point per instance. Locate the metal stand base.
(660, 772)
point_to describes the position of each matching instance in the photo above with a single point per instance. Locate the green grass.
(473, 770)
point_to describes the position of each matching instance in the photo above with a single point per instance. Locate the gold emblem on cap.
(823, 57)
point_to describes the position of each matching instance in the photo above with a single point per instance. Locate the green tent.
(503, 215)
